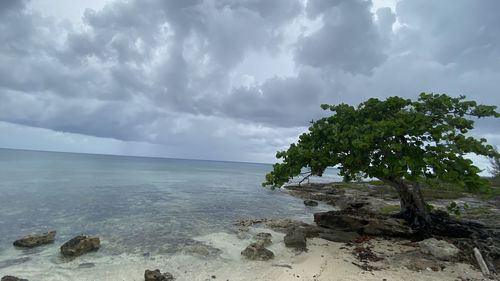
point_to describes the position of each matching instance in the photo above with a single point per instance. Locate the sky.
(228, 80)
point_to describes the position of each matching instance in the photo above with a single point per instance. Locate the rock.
(156, 275)
(363, 222)
(438, 248)
(339, 236)
(257, 251)
(264, 238)
(295, 239)
(86, 265)
(33, 240)
(311, 203)
(12, 278)
(387, 226)
(80, 245)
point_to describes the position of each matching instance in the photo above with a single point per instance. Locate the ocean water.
(146, 211)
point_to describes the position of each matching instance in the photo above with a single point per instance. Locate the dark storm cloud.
(168, 72)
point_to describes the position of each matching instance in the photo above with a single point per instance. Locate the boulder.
(156, 275)
(80, 245)
(264, 238)
(34, 240)
(440, 249)
(295, 239)
(12, 278)
(311, 203)
(257, 251)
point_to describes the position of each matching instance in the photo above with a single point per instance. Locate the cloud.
(348, 40)
(218, 78)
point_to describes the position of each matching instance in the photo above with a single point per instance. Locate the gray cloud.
(348, 40)
(172, 73)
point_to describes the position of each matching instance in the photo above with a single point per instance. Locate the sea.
(146, 211)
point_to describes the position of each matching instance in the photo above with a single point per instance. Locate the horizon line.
(135, 156)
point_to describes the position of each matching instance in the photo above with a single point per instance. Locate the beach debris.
(264, 238)
(310, 203)
(295, 238)
(34, 240)
(12, 278)
(282, 265)
(156, 275)
(439, 249)
(480, 262)
(363, 238)
(80, 245)
(257, 251)
(366, 267)
(365, 255)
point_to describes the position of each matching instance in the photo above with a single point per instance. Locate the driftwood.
(480, 262)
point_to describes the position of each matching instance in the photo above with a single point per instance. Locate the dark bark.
(413, 207)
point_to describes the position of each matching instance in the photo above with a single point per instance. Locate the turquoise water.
(138, 206)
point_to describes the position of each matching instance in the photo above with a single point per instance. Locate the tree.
(495, 166)
(399, 141)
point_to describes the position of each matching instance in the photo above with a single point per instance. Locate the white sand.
(324, 261)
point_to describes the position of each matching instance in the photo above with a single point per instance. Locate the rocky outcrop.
(12, 278)
(257, 251)
(34, 240)
(80, 245)
(310, 203)
(296, 238)
(363, 222)
(439, 249)
(156, 275)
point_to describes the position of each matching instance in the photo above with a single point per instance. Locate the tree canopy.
(393, 139)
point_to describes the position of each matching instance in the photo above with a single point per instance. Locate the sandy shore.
(331, 261)
(324, 261)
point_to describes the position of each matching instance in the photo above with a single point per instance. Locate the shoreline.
(218, 256)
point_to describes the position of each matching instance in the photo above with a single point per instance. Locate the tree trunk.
(413, 208)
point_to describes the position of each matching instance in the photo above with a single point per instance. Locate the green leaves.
(394, 138)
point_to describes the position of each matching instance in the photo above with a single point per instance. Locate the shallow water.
(144, 209)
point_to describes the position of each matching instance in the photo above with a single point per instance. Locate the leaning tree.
(400, 141)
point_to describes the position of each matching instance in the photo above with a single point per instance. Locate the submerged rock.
(440, 249)
(156, 275)
(12, 278)
(257, 251)
(296, 239)
(34, 240)
(86, 265)
(264, 238)
(11, 262)
(80, 245)
(200, 249)
(311, 203)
